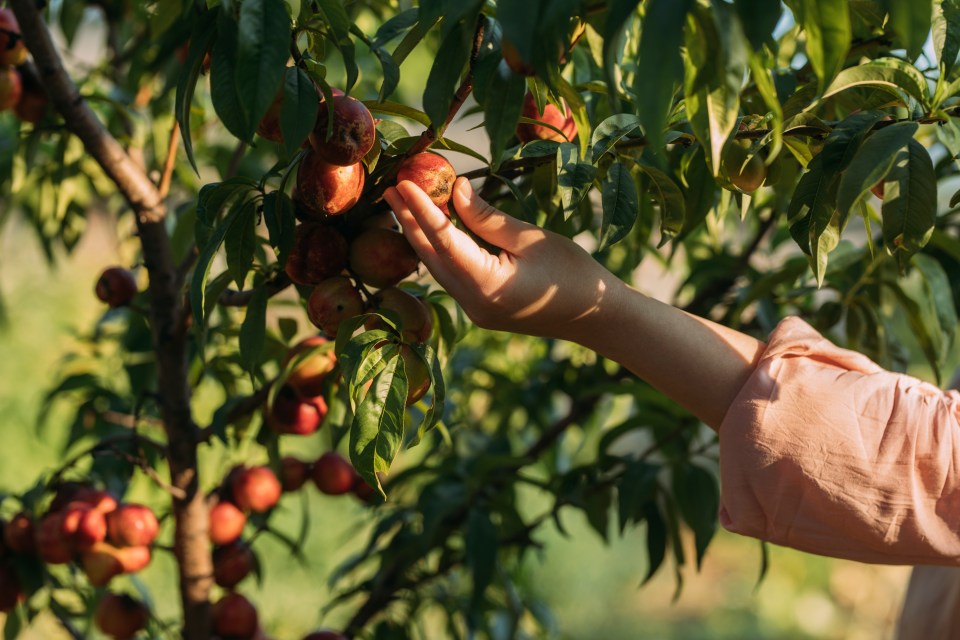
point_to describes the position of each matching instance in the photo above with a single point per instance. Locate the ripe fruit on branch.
(333, 474)
(319, 252)
(363, 491)
(98, 499)
(132, 525)
(418, 376)
(12, 49)
(52, 546)
(382, 258)
(11, 88)
(326, 188)
(412, 315)
(293, 473)
(256, 489)
(333, 301)
(745, 171)
(18, 534)
(104, 561)
(564, 128)
(432, 173)
(307, 379)
(33, 101)
(116, 287)
(292, 414)
(232, 563)
(226, 522)
(82, 525)
(11, 591)
(352, 131)
(120, 616)
(234, 617)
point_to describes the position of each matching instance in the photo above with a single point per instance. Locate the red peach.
(324, 188)
(232, 563)
(120, 616)
(432, 173)
(319, 252)
(10, 88)
(552, 116)
(117, 287)
(51, 546)
(333, 474)
(256, 489)
(293, 473)
(352, 131)
(226, 522)
(411, 314)
(333, 301)
(234, 617)
(295, 415)
(132, 525)
(382, 258)
(101, 563)
(309, 377)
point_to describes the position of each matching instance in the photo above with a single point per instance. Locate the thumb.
(488, 222)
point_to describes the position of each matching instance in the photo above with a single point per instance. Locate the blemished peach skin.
(820, 448)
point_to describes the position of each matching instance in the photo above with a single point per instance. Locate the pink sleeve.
(826, 452)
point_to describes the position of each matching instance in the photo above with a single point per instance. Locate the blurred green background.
(592, 589)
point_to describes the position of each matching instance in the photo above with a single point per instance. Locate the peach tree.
(766, 159)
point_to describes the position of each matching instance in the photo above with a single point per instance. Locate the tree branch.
(190, 538)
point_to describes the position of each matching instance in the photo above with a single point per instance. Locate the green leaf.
(395, 26)
(659, 65)
(223, 85)
(574, 177)
(504, 102)
(889, 74)
(377, 430)
(636, 491)
(445, 73)
(656, 539)
(909, 202)
(253, 330)
(620, 205)
(910, 21)
(811, 212)
(481, 543)
(872, 162)
(336, 16)
(670, 200)
(397, 109)
(201, 41)
(828, 30)
(435, 411)
(263, 46)
(843, 142)
(618, 13)
(945, 25)
(698, 498)
(241, 242)
(759, 18)
(298, 113)
(201, 272)
(609, 132)
(279, 217)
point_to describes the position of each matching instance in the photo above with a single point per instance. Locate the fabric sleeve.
(826, 452)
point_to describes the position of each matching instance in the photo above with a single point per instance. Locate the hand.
(540, 283)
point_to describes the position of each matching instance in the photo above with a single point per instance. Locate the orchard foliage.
(773, 159)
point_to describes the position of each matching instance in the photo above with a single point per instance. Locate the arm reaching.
(546, 285)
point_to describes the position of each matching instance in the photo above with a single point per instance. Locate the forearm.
(697, 363)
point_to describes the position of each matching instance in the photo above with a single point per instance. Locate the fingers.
(450, 254)
(490, 223)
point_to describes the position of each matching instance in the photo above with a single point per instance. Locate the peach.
(333, 301)
(10, 88)
(269, 126)
(117, 287)
(319, 252)
(120, 616)
(382, 258)
(132, 525)
(418, 376)
(18, 534)
(333, 474)
(294, 473)
(352, 132)
(12, 49)
(101, 563)
(226, 522)
(432, 173)
(234, 617)
(256, 489)
(295, 415)
(328, 189)
(52, 546)
(411, 314)
(232, 563)
(308, 378)
(552, 116)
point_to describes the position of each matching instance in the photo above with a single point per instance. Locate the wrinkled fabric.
(826, 452)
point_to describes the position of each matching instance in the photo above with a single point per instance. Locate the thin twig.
(171, 160)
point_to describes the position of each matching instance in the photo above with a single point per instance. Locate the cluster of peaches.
(19, 90)
(85, 526)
